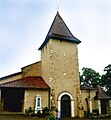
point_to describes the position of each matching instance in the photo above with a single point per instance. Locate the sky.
(24, 25)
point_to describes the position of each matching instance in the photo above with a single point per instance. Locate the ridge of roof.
(59, 30)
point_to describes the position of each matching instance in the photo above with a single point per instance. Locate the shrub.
(51, 117)
(46, 111)
(96, 111)
(29, 111)
(86, 114)
(39, 114)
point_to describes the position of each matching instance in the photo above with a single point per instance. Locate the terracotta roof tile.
(27, 82)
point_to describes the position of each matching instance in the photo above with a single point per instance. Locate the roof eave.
(68, 39)
(102, 98)
(21, 87)
(11, 75)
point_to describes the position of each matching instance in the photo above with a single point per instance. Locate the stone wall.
(30, 95)
(91, 95)
(60, 68)
(32, 70)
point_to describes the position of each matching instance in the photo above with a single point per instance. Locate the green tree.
(89, 77)
(106, 79)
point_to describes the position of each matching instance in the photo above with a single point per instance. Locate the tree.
(106, 79)
(89, 77)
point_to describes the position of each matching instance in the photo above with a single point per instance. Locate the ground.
(21, 117)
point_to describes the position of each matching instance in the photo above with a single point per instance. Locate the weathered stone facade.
(32, 70)
(30, 98)
(89, 94)
(60, 68)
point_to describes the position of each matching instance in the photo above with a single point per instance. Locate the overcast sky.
(25, 23)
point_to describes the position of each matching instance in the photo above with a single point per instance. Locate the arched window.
(38, 103)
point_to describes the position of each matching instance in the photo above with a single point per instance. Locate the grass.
(21, 117)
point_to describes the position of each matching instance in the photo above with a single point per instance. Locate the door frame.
(66, 106)
(72, 102)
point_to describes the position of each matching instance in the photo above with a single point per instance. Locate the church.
(53, 81)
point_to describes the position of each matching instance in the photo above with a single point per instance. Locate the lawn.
(21, 117)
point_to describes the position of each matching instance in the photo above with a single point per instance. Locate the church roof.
(59, 30)
(9, 76)
(26, 82)
(100, 94)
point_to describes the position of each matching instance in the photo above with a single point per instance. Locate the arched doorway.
(66, 106)
(65, 100)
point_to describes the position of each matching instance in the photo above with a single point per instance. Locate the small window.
(38, 105)
(38, 102)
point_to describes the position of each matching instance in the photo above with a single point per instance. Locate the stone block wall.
(30, 98)
(32, 70)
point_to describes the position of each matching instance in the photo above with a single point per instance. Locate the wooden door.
(66, 106)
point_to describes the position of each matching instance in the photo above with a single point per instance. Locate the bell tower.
(59, 59)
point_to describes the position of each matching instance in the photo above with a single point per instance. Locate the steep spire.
(59, 30)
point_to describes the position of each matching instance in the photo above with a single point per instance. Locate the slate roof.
(101, 94)
(26, 82)
(59, 30)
